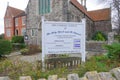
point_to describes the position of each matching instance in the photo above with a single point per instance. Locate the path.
(28, 58)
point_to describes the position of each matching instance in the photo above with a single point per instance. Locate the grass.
(17, 68)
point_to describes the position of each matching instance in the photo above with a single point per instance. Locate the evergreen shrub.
(5, 47)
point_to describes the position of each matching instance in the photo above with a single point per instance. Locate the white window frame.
(8, 32)
(8, 22)
(16, 21)
(23, 20)
(23, 31)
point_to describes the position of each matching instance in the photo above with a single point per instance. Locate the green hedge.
(5, 47)
(18, 39)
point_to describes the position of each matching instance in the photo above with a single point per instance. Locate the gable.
(95, 15)
(80, 7)
(12, 12)
(8, 13)
(99, 15)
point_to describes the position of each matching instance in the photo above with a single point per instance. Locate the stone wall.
(58, 12)
(33, 22)
(114, 74)
(111, 37)
(95, 46)
(104, 26)
(75, 15)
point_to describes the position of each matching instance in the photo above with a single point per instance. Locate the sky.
(21, 4)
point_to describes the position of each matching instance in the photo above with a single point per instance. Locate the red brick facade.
(14, 23)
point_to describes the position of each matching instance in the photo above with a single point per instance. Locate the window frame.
(23, 20)
(44, 6)
(8, 32)
(16, 21)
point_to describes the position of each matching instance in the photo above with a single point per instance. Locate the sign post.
(63, 38)
(84, 40)
(43, 46)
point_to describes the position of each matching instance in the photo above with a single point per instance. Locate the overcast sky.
(21, 4)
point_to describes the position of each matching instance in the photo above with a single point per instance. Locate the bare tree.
(115, 7)
(116, 14)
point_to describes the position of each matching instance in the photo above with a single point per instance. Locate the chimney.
(85, 4)
(7, 3)
(81, 2)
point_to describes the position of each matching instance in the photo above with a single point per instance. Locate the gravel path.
(28, 58)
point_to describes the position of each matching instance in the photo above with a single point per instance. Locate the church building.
(67, 11)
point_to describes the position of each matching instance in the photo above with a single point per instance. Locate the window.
(78, 19)
(23, 20)
(8, 33)
(44, 6)
(16, 32)
(7, 22)
(23, 31)
(16, 21)
(33, 32)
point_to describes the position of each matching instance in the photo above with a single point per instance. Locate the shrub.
(117, 37)
(113, 51)
(99, 36)
(18, 46)
(31, 49)
(5, 47)
(34, 49)
(16, 68)
(18, 39)
(1, 36)
(24, 51)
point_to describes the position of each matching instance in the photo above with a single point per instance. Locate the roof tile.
(96, 15)
(102, 14)
(14, 11)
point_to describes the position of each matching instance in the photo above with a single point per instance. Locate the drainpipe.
(68, 11)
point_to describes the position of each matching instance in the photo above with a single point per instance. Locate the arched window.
(44, 6)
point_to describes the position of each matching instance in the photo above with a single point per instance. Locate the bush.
(24, 51)
(99, 36)
(16, 68)
(1, 36)
(34, 49)
(117, 37)
(5, 47)
(113, 51)
(18, 46)
(18, 39)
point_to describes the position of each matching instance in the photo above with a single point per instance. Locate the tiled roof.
(102, 14)
(80, 7)
(21, 14)
(14, 11)
(96, 15)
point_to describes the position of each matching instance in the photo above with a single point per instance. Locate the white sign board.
(63, 37)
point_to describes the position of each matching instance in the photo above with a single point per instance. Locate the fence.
(69, 62)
